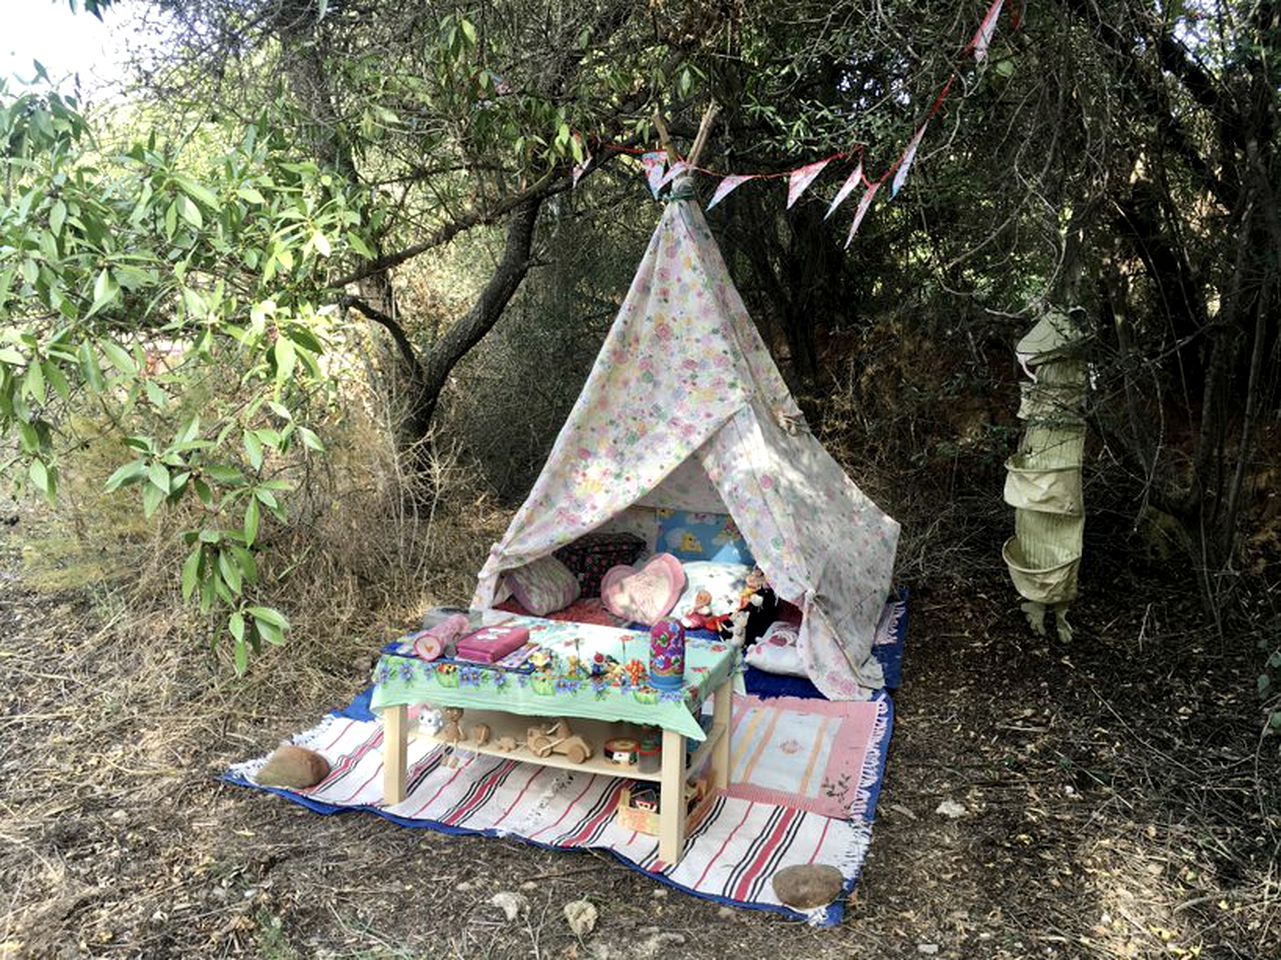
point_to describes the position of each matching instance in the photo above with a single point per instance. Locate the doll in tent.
(760, 603)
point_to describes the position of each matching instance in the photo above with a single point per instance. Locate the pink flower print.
(646, 363)
(663, 332)
(691, 364)
(583, 453)
(767, 481)
(721, 361)
(790, 747)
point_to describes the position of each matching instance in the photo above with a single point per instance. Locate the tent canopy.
(685, 408)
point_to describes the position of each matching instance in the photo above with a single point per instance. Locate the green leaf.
(221, 473)
(310, 440)
(242, 658)
(197, 192)
(130, 473)
(190, 212)
(229, 570)
(12, 357)
(39, 474)
(57, 217)
(89, 367)
(248, 565)
(1263, 683)
(159, 399)
(246, 192)
(53, 373)
(203, 492)
(285, 359)
(356, 243)
(253, 447)
(152, 498)
(321, 243)
(270, 615)
(252, 519)
(119, 357)
(191, 572)
(270, 632)
(105, 290)
(158, 474)
(236, 624)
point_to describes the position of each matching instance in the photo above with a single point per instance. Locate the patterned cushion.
(589, 557)
(543, 586)
(724, 581)
(776, 652)
(702, 536)
(645, 595)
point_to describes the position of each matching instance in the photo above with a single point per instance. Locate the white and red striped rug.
(748, 835)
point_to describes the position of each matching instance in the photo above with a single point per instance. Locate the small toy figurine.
(481, 734)
(452, 731)
(645, 799)
(505, 744)
(761, 604)
(697, 617)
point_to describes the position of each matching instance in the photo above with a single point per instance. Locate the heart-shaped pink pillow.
(645, 595)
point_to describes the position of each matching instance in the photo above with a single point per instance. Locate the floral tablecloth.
(407, 680)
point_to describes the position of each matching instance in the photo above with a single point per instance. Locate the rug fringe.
(870, 775)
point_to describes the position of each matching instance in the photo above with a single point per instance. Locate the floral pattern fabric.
(683, 374)
(543, 585)
(708, 663)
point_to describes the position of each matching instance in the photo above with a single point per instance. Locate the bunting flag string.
(861, 212)
(802, 178)
(905, 162)
(727, 186)
(984, 36)
(653, 163)
(852, 181)
(659, 175)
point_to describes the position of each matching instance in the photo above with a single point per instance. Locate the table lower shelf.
(595, 732)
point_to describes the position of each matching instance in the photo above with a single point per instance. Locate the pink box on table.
(491, 644)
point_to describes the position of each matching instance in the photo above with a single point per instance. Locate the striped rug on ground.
(730, 857)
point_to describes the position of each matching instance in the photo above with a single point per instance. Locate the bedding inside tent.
(685, 410)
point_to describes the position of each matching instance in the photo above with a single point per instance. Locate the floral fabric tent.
(685, 408)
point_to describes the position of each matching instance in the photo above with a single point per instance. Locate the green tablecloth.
(402, 680)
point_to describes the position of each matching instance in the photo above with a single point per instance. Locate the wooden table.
(671, 778)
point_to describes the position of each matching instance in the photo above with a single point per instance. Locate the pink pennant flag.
(802, 178)
(653, 164)
(905, 164)
(852, 181)
(861, 212)
(988, 27)
(726, 187)
(679, 167)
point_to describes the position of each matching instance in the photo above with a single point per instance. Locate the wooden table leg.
(722, 716)
(395, 748)
(671, 810)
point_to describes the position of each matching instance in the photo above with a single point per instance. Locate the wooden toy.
(452, 731)
(640, 809)
(481, 734)
(623, 751)
(505, 744)
(558, 738)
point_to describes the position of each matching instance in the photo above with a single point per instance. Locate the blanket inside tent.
(685, 409)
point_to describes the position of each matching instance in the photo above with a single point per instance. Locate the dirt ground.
(1119, 802)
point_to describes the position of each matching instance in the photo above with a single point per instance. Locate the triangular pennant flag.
(852, 181)
(727, 186)
(653, 164)
(679, 167)
(798, 180)
(905, 164)
(861, 212)
(985, 31)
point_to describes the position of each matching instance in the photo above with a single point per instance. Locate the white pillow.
(724, 581)
(776, 651)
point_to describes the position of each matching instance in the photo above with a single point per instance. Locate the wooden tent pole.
(664, 138)
(704, 129)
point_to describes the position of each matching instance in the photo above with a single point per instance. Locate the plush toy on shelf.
(760, 603)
